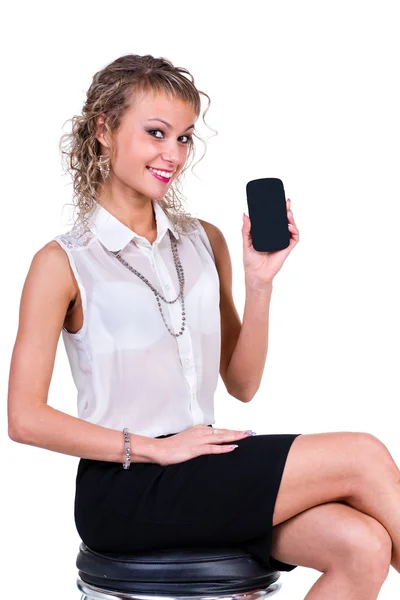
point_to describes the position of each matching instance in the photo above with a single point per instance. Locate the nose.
(173, 153)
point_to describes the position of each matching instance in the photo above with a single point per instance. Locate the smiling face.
(143, 141)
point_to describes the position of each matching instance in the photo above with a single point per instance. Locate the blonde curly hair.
(111, 93)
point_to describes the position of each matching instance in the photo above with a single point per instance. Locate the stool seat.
(175, 572)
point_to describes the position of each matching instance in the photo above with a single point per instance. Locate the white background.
(304, 91)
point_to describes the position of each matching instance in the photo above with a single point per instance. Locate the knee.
(367, 552)
(369, 445)
(377, 554)
(373, 456)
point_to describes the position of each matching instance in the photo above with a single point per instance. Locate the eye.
(151, 132)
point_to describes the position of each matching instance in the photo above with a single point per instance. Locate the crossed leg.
(348, 470)
(353, 468)
(350, 548)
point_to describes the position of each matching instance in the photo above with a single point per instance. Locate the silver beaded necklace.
(181, 278)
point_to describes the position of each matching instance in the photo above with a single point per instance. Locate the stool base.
(90, 592)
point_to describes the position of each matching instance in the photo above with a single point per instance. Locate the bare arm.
(243, 345)
(48, 291)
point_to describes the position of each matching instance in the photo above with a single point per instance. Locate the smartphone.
(268, 215)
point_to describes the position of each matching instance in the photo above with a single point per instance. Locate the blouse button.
(167, 287)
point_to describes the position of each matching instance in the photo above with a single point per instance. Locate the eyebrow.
(167, 124)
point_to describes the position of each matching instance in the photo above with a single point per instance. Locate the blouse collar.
(114, 235)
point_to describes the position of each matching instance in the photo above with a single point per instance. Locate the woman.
(153, 471)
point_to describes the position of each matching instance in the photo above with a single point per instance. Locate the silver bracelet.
(127, 462)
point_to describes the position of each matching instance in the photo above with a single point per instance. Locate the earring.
(104, 167)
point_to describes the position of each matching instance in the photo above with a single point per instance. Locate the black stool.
(203, 573)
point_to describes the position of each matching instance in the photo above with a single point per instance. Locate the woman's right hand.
(196, 441)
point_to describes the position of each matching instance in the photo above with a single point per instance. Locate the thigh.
(332, 535)
(324, 467)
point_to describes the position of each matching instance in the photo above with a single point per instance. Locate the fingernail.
(249, 431)
(234, 446)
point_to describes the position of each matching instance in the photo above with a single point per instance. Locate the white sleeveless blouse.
(128, 369)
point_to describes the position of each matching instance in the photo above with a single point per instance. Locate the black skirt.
(208, 501)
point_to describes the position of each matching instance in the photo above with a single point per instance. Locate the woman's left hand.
(261, 267)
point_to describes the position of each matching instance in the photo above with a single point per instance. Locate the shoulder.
(214, 235)
(50, 265)
(51, 255)
(210, 228)
(218, 243)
